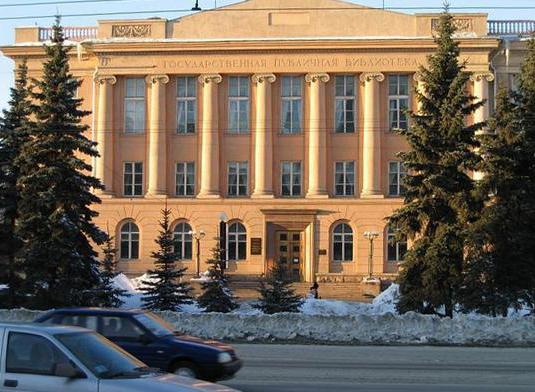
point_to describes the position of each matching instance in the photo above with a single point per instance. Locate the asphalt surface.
(296, 368)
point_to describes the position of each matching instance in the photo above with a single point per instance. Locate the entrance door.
(290, 253)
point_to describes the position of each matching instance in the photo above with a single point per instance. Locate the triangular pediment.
(293, 19)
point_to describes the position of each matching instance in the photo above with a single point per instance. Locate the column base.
(208, 196)
(153, 195)
(263, 195)
(317, 195)
(372, 195)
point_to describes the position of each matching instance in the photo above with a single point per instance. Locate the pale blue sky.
(7, 27)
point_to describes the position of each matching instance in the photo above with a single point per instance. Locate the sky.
(7, 27)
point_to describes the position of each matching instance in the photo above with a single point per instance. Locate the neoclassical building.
(278, 117)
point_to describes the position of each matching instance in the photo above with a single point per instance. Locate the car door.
(28, 364)
(132, 337)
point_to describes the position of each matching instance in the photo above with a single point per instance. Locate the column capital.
(372, 76)
(418, 77)
(154, 79)
(482, 76)
(210, 78)
(261, 78)
(317, 77)
(103, 79)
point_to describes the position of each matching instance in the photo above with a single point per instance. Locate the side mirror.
(68, 370)
(145, 339)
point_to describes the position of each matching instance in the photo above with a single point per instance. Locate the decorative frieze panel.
(131, 31)
(463, 25)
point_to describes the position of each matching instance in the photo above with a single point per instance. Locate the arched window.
(129, 241)
(396, 247)
(342, 243)
(183, 241)
(236, 242)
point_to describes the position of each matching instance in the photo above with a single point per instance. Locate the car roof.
(45, 328)
(97, 311)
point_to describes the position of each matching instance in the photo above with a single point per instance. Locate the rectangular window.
(133, 178)
(344, 178)
(134, 105)
(237, 178)
(396, 173)
(398, 101)
(291, 178)
(186, 104)
(396, 249)
(291, 111)
(185, 179)
(238, 104)
(344, 104)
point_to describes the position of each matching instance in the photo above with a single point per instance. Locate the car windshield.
(102, 357)
(154, 324)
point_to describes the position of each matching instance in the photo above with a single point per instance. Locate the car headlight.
(224, 358)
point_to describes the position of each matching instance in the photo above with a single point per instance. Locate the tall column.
(481, 92)
(263, 144)
(157, 181)
(209, 137)
(371, 147)
(103, 133)
(317, 139)
(420, 88)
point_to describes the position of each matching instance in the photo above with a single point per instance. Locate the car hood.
(211, 343)
(161, 383)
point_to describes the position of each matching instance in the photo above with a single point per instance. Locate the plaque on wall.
(322, 252)
(256, 246)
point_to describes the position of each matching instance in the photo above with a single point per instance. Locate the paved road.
(288, 368)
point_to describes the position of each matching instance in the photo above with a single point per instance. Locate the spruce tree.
(277, 294)
(164, 290)
(13, 135)
(217, 295)
(106, 293)
(501, 258)
(439, 201)
(55, 217)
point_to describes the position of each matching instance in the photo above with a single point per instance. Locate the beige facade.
(299, 102)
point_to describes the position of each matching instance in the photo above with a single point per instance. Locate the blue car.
(153, 341)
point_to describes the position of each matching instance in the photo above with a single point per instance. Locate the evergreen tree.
(501, 258)
(107, 294)
(439, 199)
(55, 217)
(164, 290)
(13, 135)
(277, 294)
(217, 295)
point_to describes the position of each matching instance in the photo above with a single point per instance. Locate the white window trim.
(343, 242)
(390, 234)
(345, 98)
(127, 98)
(398, 98)
(187, 101)
(133, 178)
(345, 184)
(292, 174)
(291, 99)
(239, 98)
(399, 174)
(181, 236)
(237, 241)
(239, 166)
(185, 183)
(129, 240)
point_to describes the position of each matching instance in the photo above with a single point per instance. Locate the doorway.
(289, 253)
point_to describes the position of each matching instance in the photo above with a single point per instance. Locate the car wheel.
(185, 369)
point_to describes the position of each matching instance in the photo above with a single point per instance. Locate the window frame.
(127, 98)
(398, 98)
(133, 178)
(343, 241)
(129, 240)
(181, 238)
(291, 98)
(184, 165)
(187, 100)
(239, 99)
(391, 239)
(400, 174)
(239, 165)
(235, 235)
(345, 98)
(292, 176)
(345, 184)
